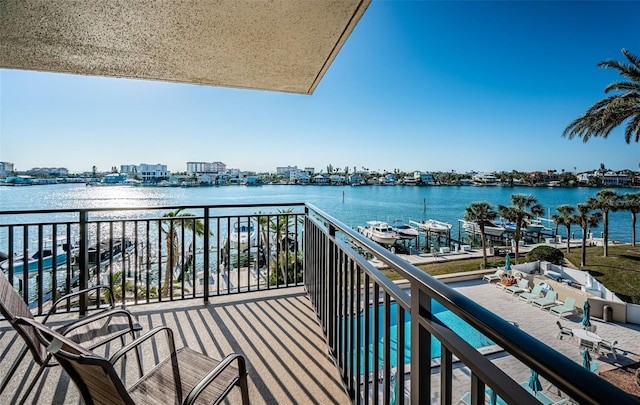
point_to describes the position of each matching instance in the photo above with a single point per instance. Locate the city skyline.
(444, 85)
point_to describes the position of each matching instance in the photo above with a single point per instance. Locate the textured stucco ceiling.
(280, 45)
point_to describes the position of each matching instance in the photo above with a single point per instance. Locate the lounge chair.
(183, 376)
(522, 286)
(493, 277)
(534, 294)
(608, 347)
(90, 332)
(547, 301)
(568, 307)
(564, 331)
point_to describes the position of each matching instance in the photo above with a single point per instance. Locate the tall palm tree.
(170, 229)
(607, 201)
(566, 218)
(480, 212)
(586, 219)
(523, 207)
(632, 204)
(613, 111)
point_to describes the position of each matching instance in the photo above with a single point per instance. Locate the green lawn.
(619, 272)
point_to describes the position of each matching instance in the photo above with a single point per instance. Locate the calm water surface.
(352, 205)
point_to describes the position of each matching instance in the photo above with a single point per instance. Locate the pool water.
(460, 327)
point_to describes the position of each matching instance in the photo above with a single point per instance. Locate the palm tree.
(632, 204)
(523, 207)
(613, 111)
(479, 212)
(607, 201)
(170, 229)
(566, 218)
(586, 219)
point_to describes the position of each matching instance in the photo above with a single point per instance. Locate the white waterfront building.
(153, 172)
(299, 177)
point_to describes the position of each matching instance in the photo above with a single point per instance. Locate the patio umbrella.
(585, 314)
(507, 262)
(586, 359)
(534, 382)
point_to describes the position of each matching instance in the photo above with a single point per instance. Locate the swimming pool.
(455, 323)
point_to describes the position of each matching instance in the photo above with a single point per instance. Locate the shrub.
(546, 254)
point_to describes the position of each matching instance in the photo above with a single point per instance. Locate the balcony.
(300, 309)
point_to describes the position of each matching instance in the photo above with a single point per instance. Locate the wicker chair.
(91, 332)
(183, 377)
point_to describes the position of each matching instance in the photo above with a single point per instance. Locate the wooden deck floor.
(276, 331)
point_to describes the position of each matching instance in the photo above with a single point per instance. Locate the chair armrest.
(77, 293)
(211, 376)
(124, 350)
(133, 325)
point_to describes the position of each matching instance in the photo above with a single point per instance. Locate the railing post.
(206, 270)
(330, 287)
(83, 259)
(420, 347)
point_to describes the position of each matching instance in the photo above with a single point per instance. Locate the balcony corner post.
(83, 259)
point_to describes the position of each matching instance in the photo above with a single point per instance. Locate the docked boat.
(490, 229)
(107, 250)
(535, 226)
(380, 232)
(405, 231)
(431, 225)
(243, 235)
(63, 252)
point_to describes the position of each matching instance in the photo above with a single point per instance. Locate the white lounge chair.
(522, 286)
(568, 307)
(534, 294)
(547, 301)
(495, 276)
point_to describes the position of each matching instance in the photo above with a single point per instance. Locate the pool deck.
(542, 325)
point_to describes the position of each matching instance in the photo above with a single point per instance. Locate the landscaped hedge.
(545, 254)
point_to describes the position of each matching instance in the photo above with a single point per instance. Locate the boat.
(405, 231)
(535, 226)
(63, 251)
(490, 229)
(530, 226)
(431, 225)
(243, 235)
(107, 250)
(380, 232)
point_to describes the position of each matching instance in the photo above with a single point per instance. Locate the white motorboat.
(431, 225)
(404, 231)
(243, 235)
(380, 232)
(535, 226)
(490, 229)
(44, 256)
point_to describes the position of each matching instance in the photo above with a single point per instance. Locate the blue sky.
(419, 85)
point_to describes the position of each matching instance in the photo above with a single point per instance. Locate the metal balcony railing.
(157, 254)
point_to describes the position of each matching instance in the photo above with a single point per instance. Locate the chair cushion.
(159, 387)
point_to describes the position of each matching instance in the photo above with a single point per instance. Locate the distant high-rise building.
(205, 167)
(6, 168)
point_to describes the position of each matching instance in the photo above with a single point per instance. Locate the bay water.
(353, 206)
